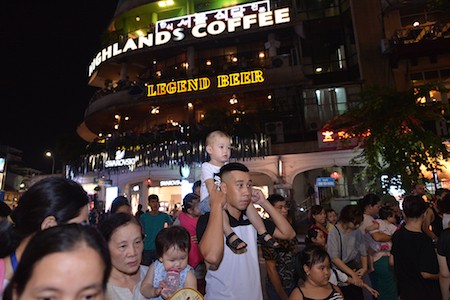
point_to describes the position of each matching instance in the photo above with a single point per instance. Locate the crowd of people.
(369, 250)
(377, 250)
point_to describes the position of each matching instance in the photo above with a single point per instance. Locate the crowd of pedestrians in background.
(370, 250)
(385, 252)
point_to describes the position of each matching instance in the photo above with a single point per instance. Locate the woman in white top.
(123, 233)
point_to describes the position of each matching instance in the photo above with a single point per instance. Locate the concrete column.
(123, 71)
(191, 61)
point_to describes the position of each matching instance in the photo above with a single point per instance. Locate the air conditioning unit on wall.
(313, 126)
(275, 131)
(280, 61)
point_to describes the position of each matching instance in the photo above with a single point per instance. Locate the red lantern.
(336, 175)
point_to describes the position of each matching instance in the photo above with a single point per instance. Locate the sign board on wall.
(244, 17)
(331, 140)
(120, 160)
(325, 182)
(204, 83)
(174, 182)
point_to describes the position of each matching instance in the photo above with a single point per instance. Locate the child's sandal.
(270, 242)
(234, 245)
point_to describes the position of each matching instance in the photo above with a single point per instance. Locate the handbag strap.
(14, 262)
(340, 241)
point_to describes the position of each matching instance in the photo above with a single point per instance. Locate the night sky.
(46, 47)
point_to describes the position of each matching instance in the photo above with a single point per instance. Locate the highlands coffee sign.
(204, 83)
(244, 17)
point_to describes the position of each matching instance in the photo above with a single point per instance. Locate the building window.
(322, 105)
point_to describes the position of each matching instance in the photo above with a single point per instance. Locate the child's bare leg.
(258, 223)
(233, 241)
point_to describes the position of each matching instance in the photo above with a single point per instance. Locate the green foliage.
(391, 132)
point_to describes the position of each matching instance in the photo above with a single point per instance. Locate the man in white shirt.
(229, 275)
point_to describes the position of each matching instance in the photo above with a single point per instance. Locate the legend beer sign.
(204, 83)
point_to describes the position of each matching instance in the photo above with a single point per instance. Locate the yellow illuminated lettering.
(181, 86)
(150, 91)
(171, 88)
(161, 88)
(192, 84)
(246, 78)
(222, 81)
(234, 79)
(327, 136)
(258, 76)
(205, 83)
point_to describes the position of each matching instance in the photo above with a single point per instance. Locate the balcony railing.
(420, 33)
(162, 149)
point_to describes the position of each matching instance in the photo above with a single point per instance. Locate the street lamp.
(49, 154)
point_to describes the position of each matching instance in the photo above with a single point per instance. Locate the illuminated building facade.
(270, 73)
